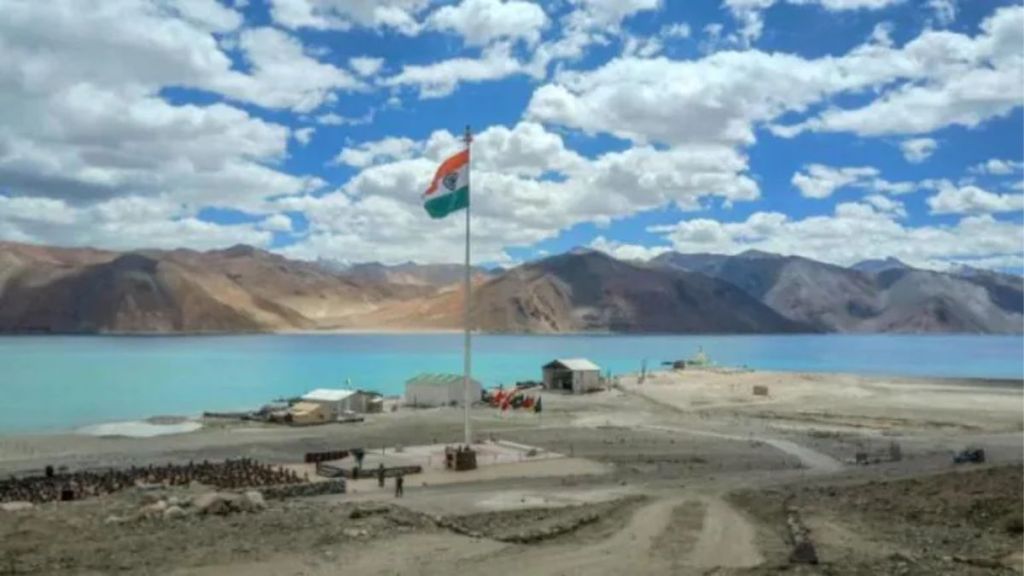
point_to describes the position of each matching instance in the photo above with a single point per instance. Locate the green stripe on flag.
(441, 206)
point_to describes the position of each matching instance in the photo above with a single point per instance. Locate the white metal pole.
(467, 359)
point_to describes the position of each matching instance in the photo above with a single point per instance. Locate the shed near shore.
(337, 402)
(439, 390)
(576, 375)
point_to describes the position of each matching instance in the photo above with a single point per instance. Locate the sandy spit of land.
(684, 473)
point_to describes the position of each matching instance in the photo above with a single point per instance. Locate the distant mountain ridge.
(245, 289)
(877, 296)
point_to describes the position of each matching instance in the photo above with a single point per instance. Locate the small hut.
(576, 375)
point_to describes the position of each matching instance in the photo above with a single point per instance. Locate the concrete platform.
(495, 460)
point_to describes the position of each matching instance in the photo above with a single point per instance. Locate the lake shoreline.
(61, 383)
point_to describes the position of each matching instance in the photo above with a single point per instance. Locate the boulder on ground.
(174, 512)
(16, 506)
(221, 503)
(255, 500)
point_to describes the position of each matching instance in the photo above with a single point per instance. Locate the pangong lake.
(58, 383)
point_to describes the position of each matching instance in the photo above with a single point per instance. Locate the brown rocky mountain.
(240, 289)
(411, 273)
(882, 296)
(591, 291)
(243, 289)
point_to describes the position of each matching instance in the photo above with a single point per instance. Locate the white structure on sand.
(577, 375)
(337, 401)
(439, 390)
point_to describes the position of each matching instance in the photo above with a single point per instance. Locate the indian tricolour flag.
(449, 191)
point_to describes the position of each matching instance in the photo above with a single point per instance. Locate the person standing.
(399, 486)
(380, 475)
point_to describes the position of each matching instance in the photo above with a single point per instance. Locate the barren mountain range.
(244, 289)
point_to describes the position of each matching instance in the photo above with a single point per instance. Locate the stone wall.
(305, 489)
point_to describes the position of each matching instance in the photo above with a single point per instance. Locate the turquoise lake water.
(50, 383)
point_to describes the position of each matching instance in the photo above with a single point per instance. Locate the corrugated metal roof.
(581, 364)
(328, 395)
(437, 379)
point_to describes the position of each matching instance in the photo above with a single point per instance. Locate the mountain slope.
(896, 299)
(243, 289)
(412, 274)
(827, 297)
(238, 289)
(592, 291)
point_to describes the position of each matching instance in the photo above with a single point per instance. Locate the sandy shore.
(685, 473)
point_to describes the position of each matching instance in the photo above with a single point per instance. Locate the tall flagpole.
(467, 359)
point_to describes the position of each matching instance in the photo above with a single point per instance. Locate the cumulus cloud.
(277, 223)
(624, 251)
(997, 167)
(917, 150)
(750, 13)
(369, 153)
(973, 200)
(935, 80)
(954, 80)
(304, 135)
(527, 187)
(821, 181)
(481, 22)
(85, 132)
(124, 223)
(400, 15)
(441, 78)
(365, 65)
(854, 232)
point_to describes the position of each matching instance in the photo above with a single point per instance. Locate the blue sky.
(835, 129)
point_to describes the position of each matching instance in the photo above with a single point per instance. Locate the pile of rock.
(206, 504)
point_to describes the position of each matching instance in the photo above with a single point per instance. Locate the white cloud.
(936, 80)
(750, 13)
(588, 23)
(821, 181)
(90, 153)
(997, 167)
(400, 15)
(627, 251)
(365, 65)
(481, 22)
(124, 223)
(386, 150)
(855, 232)
(677, 30)
(527, 186)
(957, 80)
(885, 204)
(973, 200)
(282, 75)
(442, 78)
(304, 135)
(607, 14)
(945, 11)
(917, 150)
(209, 14)
(277, 223)
(334, 119)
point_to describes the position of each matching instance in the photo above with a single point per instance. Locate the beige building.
(337, 402)
(576, 375)
(439, 390)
